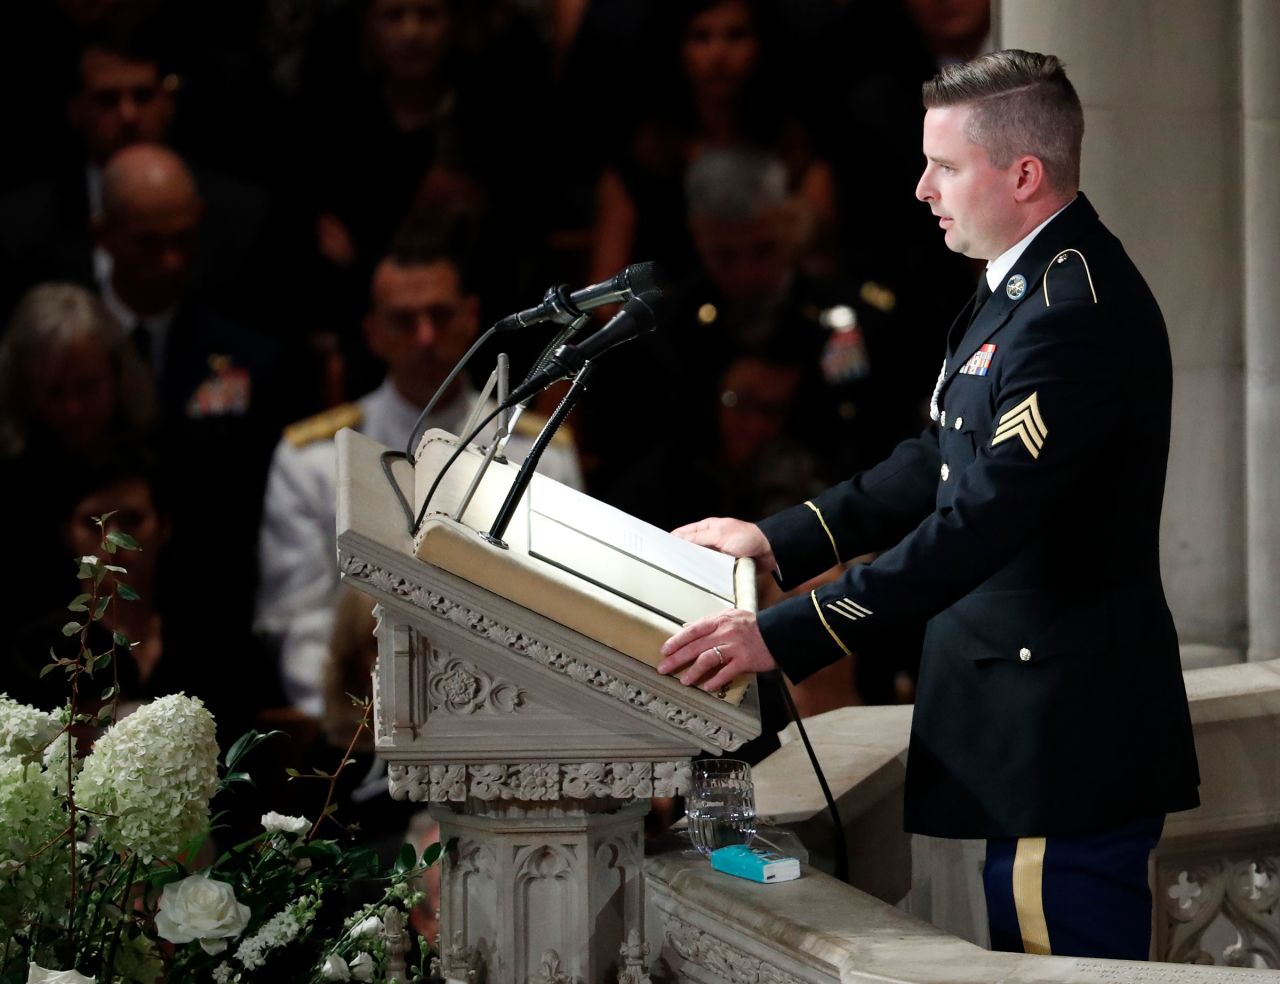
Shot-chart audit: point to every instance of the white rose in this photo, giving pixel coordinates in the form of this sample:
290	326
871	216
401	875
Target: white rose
335	968
38	975
362	967
198	908
273	822
368	927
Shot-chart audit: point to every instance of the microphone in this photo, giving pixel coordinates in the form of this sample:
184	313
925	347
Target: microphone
638	315
560	306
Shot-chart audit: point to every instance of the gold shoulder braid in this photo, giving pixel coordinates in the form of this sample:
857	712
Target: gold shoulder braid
324	425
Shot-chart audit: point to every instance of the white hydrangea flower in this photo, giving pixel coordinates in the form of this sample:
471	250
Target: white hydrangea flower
25	731
273	822
155	772
335	968
362	966
222	974
30	809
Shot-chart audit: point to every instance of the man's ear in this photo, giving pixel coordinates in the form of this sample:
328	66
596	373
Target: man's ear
1029	178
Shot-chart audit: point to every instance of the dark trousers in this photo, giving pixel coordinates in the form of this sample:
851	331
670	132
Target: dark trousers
1079	896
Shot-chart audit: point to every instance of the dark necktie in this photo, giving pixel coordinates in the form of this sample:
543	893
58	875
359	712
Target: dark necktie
980	297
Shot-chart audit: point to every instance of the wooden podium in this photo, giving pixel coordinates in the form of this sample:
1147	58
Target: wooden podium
517	695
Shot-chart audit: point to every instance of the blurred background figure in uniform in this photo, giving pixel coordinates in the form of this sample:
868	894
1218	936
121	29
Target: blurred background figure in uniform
422	317
858	389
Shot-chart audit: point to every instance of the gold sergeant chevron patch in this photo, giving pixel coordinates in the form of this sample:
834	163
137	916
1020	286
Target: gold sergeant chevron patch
1023	422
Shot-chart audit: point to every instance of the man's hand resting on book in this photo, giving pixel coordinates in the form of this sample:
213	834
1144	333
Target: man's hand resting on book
712	651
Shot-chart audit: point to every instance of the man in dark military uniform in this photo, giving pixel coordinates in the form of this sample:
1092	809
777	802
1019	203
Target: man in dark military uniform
1051	715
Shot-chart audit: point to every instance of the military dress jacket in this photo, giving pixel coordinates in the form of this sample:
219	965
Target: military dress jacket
1025	527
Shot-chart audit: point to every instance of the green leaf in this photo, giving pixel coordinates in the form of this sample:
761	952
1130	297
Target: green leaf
122	540
320	773
71	628
101	608
406	859
114	568
126	592
47	669
293	773
120	639
105	720
432	854
102	660
78	604
109	692
110	547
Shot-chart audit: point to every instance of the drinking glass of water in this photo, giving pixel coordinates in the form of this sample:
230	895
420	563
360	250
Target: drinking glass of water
721	804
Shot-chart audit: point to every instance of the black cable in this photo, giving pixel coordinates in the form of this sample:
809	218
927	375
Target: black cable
395	486
841	848
463	444
416	433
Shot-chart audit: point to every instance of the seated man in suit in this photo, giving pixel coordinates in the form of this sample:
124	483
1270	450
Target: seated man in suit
221	392
423	316
123	94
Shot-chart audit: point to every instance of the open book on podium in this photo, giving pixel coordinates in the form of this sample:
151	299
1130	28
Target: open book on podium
576	560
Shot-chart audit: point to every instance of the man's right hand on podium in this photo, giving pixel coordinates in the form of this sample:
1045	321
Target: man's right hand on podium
733	537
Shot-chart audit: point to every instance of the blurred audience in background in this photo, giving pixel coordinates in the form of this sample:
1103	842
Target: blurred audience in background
216	219
423	314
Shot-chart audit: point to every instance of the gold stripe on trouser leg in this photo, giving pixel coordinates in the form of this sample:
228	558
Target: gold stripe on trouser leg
1028	894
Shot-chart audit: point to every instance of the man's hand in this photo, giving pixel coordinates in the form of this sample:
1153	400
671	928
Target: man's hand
712	651
733	537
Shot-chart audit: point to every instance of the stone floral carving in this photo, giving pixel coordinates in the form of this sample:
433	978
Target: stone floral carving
593	676
634	954
713	954
459	687
550	972
537	781
1231	906
460	962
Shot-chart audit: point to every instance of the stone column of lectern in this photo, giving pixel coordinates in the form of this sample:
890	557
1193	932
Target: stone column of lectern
515	692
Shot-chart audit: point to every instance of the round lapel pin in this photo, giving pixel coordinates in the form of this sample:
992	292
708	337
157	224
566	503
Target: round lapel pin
1016	286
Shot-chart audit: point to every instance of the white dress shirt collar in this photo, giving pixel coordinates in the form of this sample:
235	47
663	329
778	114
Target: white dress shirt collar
999	268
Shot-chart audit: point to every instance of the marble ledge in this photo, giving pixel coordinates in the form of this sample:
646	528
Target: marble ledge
823	930
1232	693
861	750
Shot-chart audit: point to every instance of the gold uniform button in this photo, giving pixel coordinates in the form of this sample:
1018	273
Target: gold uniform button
946	471
959	422
1024	654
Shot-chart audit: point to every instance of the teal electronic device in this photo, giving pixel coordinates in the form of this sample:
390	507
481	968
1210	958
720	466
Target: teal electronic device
755	864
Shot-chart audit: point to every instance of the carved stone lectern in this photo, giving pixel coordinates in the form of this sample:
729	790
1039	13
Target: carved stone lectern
515	693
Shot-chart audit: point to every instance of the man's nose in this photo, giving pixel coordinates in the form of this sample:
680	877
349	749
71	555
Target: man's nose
128	110
924	187
424	330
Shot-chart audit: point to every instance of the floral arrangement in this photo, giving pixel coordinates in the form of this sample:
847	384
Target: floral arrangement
108	870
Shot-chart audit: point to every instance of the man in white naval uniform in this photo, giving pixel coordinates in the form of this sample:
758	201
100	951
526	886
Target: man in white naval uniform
422	318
